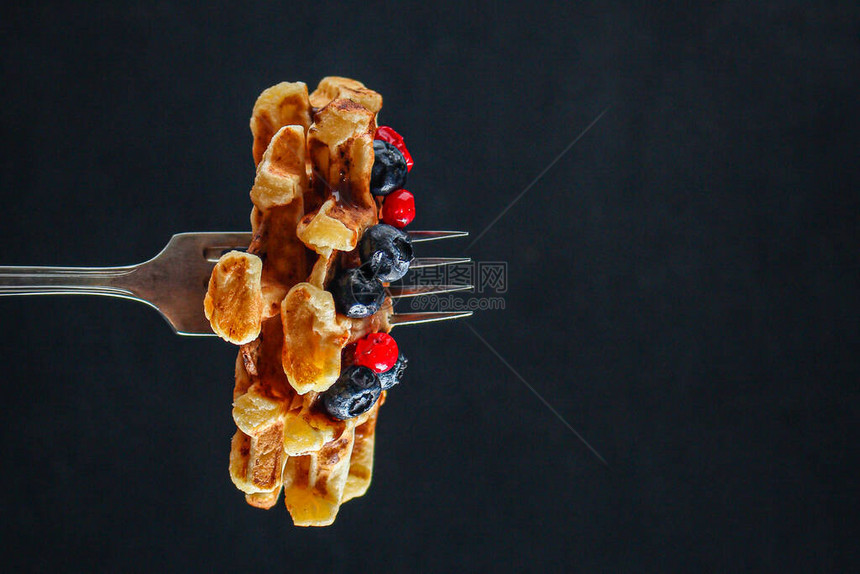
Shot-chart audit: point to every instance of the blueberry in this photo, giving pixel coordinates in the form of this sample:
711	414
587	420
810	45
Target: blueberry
387	251
389	168
356	293
354	392
393	375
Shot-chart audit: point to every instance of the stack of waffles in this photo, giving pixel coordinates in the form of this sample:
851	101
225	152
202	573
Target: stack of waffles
312	202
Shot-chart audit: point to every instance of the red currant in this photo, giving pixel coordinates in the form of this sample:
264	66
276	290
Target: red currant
387	134
398	209
378	351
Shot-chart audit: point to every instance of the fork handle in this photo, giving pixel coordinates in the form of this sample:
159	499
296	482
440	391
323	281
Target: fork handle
65	281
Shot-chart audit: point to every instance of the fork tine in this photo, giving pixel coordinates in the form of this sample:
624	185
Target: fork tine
403	291
421	262
426	317
419	236
217	243
222	242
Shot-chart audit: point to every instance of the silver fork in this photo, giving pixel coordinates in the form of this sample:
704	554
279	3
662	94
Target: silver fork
174	282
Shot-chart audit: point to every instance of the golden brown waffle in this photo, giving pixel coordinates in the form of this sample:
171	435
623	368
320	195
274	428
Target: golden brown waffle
312	201
234	300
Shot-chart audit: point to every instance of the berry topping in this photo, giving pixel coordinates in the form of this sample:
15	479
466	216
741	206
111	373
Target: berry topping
388	134
394	375
356	294
377	351
389	169
387	251
354	392
399	208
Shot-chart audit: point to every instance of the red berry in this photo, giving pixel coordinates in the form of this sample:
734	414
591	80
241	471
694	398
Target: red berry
387	134
398	209
377	351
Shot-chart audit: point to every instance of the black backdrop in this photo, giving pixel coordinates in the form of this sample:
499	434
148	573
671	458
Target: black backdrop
682	285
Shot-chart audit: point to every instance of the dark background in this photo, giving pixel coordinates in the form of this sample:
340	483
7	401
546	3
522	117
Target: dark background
683	285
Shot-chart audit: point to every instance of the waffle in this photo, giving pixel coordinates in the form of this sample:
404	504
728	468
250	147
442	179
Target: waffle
311	203
234	300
